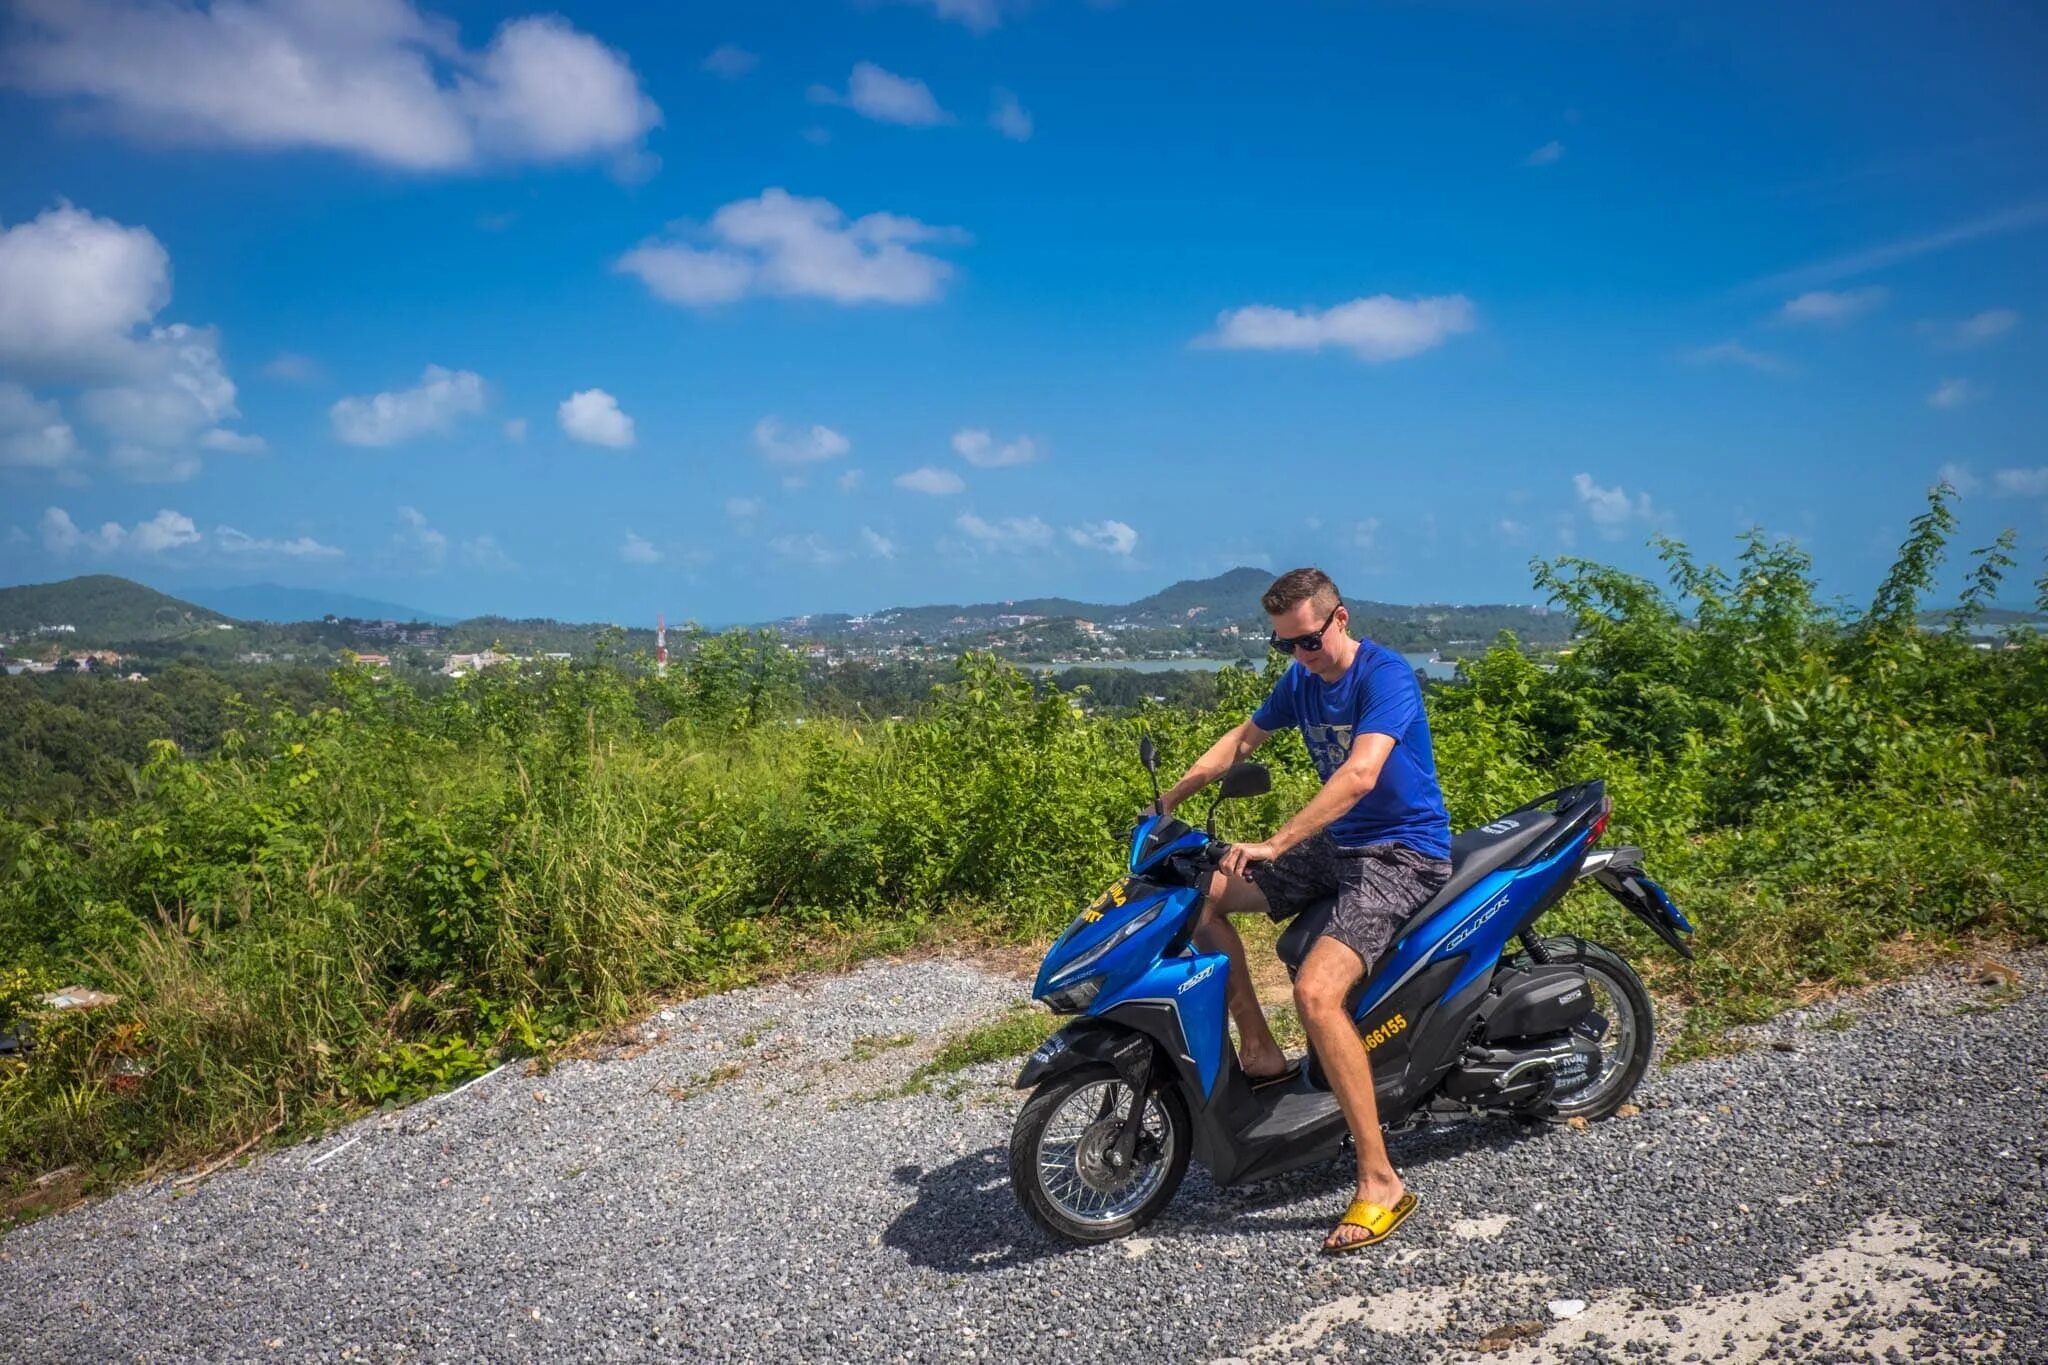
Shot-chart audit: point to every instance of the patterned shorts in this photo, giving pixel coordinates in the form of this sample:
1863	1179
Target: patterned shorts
1377	888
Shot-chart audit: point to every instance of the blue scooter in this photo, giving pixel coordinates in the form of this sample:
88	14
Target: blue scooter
1455	1022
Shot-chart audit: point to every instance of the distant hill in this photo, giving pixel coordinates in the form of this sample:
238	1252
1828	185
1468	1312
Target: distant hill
1203	604
102	607
270	602
1994	619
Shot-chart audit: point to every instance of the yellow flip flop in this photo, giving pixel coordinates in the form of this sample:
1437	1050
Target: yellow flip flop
1378	1221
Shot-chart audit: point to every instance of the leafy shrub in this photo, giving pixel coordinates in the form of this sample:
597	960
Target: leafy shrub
376	892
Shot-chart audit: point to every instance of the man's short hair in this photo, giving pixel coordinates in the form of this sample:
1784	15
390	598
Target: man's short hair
1297	586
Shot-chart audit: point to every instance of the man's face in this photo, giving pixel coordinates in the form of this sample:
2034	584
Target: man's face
1309	618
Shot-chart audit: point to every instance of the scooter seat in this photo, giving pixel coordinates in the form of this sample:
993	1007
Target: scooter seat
1474	853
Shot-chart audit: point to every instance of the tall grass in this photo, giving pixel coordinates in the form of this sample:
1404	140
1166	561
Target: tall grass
373	898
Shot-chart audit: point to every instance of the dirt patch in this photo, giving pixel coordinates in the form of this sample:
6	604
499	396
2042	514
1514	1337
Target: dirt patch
1861	1300
52	1192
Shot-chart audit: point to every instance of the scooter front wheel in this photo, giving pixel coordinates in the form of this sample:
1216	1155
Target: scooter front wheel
1064	1162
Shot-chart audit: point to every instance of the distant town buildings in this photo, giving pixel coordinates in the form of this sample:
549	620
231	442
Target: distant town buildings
462	665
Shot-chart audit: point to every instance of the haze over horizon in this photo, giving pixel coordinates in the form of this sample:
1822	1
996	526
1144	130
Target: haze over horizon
597	312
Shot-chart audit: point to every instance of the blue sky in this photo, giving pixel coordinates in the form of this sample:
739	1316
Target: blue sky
735	310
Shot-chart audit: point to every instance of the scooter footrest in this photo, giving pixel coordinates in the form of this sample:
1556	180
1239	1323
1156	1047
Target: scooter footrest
1296	1111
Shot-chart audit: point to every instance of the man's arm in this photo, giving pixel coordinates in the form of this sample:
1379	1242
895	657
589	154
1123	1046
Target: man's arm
1235	745
1359	774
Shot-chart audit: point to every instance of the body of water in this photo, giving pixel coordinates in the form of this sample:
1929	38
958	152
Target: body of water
1442	671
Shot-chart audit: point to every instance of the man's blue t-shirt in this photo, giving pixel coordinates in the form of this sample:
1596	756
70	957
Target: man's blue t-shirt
1378	694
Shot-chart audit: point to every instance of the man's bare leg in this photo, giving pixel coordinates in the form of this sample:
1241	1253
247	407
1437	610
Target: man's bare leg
1258	1051
1325	980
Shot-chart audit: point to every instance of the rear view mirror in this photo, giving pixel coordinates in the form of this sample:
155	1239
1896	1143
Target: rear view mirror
1148	753
1247	779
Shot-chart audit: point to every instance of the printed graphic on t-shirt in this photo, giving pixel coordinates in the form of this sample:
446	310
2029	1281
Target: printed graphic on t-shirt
1328	746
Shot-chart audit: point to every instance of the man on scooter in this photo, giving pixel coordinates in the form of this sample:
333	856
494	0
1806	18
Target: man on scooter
1376	836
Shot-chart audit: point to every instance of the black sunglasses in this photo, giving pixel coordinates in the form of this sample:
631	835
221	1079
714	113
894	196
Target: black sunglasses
1311	642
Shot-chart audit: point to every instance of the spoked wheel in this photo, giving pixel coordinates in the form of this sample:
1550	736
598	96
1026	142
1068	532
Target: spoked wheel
1063	1160
1620	998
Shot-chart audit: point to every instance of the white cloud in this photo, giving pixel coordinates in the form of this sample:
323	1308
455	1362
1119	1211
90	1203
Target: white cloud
416	542
234	442
639	550
1988	325
1511	530
178	390
1011	534
980	449
515	430
1376	329
294	368
686	275
78	299
1548	154
61	535
592	416
1735	353
33	433
1959	477
2020	219
1828	305
878	545
484	552
885	97
2021	483
848	481
729	61
741	509
808	549
784	245
804	447
235	542
144	465
1953	393
937	482
73	290
979	15
1111	537
1611	508
1008	117
377	79
1366	533
434	405
167	530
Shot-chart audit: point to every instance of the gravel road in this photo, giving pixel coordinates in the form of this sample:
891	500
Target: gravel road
739	1186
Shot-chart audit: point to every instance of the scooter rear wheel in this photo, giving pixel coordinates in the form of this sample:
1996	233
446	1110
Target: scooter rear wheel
1063	1166
1620	997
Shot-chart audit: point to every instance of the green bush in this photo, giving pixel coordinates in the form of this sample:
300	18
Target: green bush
375	892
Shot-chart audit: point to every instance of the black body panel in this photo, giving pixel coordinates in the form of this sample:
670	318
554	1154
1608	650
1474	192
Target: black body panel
1474	854
1535	1001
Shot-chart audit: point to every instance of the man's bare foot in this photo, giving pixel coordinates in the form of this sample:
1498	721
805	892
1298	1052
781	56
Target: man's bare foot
1350	1234
1264	1066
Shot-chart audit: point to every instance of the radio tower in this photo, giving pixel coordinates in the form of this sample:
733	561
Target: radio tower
660	643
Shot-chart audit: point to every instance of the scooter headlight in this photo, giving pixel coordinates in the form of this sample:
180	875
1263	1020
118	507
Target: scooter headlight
1100	950
1075	998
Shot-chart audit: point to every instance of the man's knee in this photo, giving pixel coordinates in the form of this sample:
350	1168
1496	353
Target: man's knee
1317	997
1323	989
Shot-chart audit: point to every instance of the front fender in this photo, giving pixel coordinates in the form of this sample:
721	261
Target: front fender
1078	1044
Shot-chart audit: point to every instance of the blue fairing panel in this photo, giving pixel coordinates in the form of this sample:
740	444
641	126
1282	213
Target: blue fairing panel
1194	987
1081	935
1186	843
1475	926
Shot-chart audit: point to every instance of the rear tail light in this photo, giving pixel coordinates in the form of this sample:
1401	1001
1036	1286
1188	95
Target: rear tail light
1600	825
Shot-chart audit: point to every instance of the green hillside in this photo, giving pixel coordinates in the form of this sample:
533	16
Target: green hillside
104	609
